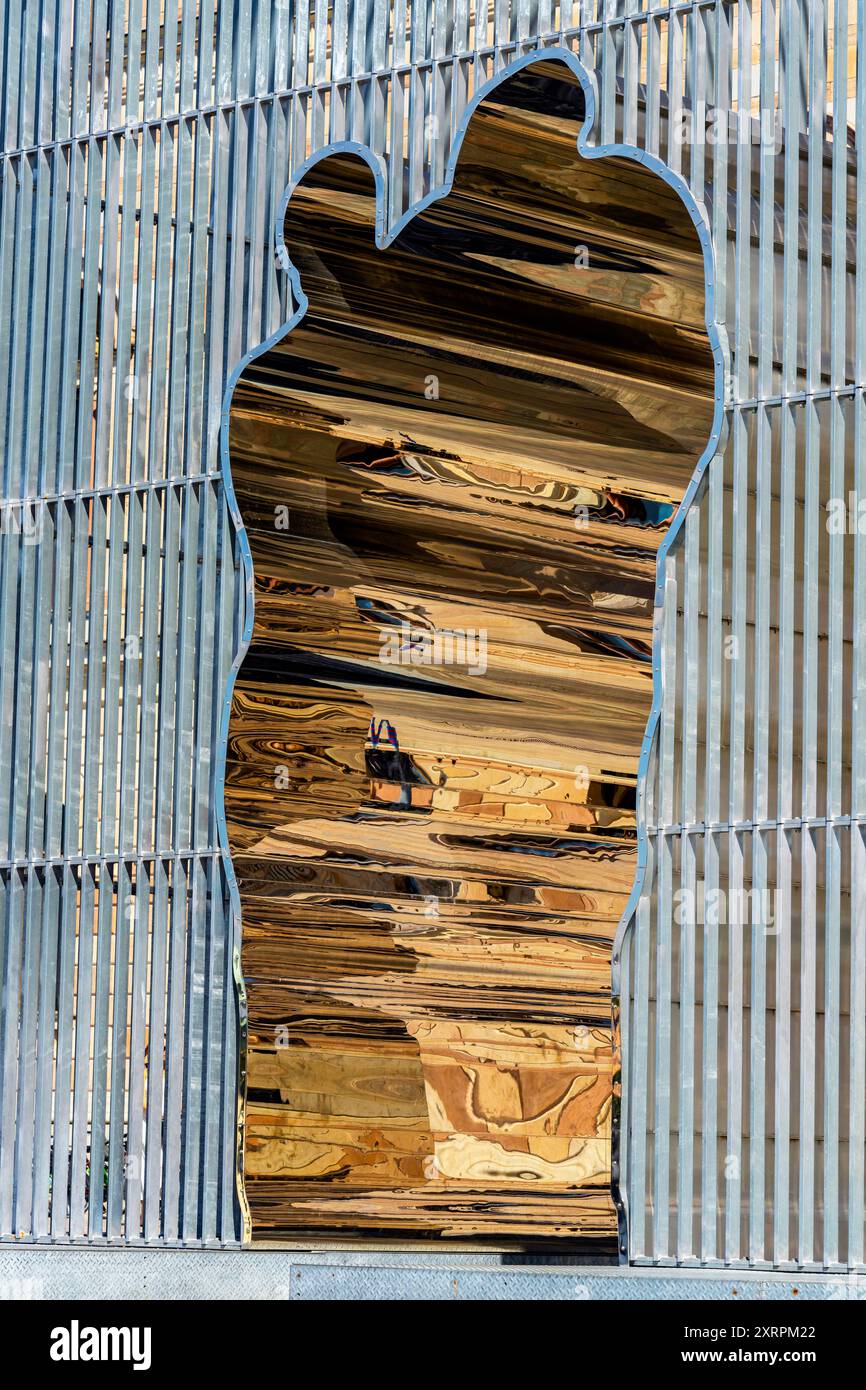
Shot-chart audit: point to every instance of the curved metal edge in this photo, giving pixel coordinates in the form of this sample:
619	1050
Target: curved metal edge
384	238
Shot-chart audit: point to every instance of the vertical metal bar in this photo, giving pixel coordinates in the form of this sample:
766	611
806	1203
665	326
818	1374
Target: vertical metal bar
106	909
196	457
217	968
782	1041
688	913
193	1054
167	275
140	1119
135	30
857	1063
808	1076
38	300
156	1174
832	963
761	437
126	890
181	323
664	929
63	1075
758	1045
174	1053
186	670
71	317
675	93
13	413
80	1140
149	713
131	657
51	929
710	1055
61	234
95	657
721	165
734	1059
106	366
125	382
27	1025
815	194
117	38
10	1004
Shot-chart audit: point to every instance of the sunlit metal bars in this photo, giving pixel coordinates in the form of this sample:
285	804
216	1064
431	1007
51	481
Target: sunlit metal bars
146	147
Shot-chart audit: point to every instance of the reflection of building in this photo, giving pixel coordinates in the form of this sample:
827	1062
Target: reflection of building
137	272
394	777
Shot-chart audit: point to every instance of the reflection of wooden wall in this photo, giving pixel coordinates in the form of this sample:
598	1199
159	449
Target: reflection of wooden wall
427	930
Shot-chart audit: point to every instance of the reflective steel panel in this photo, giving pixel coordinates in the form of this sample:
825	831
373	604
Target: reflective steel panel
455	473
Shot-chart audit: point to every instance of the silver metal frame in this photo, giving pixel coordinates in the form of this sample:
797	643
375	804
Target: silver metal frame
140	197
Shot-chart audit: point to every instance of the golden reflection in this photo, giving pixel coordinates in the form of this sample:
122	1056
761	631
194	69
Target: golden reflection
455	474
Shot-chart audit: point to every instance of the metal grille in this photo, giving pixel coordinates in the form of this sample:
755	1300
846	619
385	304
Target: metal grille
743	973
146	150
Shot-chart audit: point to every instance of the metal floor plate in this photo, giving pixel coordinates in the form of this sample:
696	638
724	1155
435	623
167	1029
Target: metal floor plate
90	1274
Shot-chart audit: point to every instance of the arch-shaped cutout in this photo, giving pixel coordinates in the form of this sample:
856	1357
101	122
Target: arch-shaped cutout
454	473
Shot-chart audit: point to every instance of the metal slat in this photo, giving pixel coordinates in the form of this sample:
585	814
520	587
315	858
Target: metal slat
57	168
80	1138
782	1043
89	300
762	445
192	378
125	385
63	1076
709	1094
688	880
102	1004
36	383
51	929
108	290
154	604
857	1060
17	312
832	966
185	688
116	1160
27	1030
155	1175
808	1077
192	1046
138	1041
757	1079
66	452
664	931
736	666
173	1015
167	274
14	890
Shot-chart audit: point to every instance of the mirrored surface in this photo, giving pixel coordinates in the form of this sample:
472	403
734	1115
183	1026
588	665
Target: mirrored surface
455	474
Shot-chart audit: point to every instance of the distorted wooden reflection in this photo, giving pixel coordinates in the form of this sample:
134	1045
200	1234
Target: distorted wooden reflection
455	474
